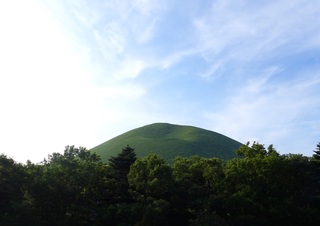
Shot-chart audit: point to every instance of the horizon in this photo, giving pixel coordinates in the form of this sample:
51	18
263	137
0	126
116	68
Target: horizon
81	73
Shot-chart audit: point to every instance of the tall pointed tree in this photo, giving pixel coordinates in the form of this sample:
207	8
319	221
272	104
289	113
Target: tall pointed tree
316	154
120	166
121	163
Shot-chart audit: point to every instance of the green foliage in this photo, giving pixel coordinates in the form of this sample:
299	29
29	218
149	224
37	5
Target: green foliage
169	141
120	166
316	154
150	178
198	181
12	179
265	188
152	185
121	163
77	188
256	150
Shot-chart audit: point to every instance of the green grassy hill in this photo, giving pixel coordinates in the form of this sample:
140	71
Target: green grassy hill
169	141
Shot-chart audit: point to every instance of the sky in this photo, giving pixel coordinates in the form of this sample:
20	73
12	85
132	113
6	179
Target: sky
80	72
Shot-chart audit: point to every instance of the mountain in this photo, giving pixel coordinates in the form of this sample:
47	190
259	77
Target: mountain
169	141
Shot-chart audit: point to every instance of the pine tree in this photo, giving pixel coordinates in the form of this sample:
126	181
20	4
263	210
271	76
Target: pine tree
316	156
121	164
120	169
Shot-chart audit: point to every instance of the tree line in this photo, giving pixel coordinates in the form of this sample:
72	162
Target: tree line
260	187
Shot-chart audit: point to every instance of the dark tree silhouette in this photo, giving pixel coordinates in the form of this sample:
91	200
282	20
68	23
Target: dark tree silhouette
121	163
316	154
120	166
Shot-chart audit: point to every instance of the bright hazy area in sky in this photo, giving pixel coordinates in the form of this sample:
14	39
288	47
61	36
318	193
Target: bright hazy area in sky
81	72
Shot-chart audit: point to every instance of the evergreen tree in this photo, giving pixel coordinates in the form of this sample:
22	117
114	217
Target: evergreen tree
316	154
121	163
120	166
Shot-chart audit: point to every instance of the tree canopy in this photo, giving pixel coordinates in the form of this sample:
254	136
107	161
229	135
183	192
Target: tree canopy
260	187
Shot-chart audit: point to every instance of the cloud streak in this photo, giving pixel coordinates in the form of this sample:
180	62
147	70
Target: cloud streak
236	33
247	69
267	112
249	49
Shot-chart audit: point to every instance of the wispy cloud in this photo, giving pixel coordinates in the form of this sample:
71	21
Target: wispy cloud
241	40
265	111
246	33
176	57
264	27
248	69
118	30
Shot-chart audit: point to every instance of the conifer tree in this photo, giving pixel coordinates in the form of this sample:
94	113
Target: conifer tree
120	166
121	163
316	154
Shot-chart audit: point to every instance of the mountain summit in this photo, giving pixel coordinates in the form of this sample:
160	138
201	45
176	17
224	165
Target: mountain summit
169	141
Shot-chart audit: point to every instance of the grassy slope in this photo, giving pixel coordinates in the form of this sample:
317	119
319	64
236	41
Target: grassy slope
169	141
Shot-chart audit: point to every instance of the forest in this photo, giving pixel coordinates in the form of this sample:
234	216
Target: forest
259	187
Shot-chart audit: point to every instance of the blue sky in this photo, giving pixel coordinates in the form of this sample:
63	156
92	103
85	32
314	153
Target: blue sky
82	72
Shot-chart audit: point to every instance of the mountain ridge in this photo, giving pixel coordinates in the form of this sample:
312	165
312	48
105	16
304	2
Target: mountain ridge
170	140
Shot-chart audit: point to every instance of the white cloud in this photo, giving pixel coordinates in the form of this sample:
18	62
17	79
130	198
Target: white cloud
244	33
71	72
46	92
258	83
111	40
130	69
146	7
147	32
267	112
213	72
176	57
